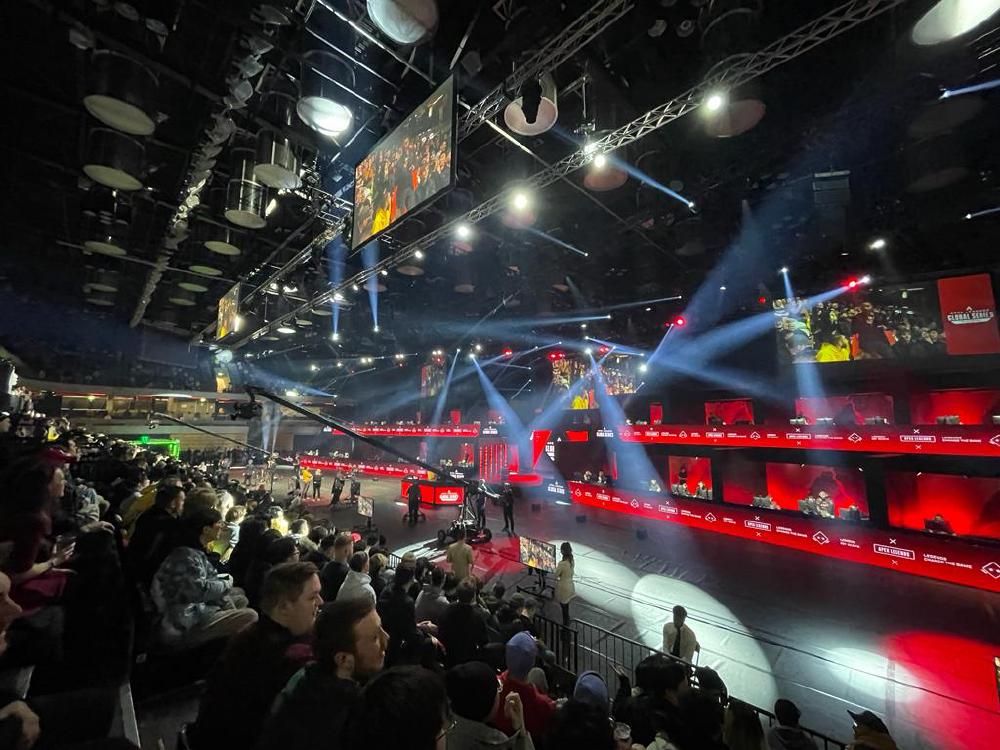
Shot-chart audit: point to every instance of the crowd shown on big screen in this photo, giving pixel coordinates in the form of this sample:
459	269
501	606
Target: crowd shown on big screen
117	563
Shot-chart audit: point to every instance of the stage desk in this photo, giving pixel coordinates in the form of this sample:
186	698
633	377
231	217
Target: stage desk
434	491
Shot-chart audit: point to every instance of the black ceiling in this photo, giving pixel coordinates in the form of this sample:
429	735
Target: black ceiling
865	102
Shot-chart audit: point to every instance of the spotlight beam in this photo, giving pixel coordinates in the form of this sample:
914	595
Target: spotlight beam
554	240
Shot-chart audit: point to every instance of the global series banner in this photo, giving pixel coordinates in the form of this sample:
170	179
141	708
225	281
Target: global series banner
917	554
968	314
947	440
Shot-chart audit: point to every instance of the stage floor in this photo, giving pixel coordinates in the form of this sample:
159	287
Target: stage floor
773	622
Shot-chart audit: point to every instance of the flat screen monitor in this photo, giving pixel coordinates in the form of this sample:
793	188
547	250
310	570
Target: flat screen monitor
229	309
411	166
538	554
366	506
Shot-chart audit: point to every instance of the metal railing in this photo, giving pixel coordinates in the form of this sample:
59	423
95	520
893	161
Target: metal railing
585	647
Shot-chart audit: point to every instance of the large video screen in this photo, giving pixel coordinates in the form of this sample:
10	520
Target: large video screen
537	554
954	315
409	167
229	313
619	375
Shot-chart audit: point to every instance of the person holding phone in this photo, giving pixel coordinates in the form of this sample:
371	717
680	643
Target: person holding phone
474	693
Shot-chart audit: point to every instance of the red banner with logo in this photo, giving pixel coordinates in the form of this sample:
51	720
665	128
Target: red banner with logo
968	313
943	558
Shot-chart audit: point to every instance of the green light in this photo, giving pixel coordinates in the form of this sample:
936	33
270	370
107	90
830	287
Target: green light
144	439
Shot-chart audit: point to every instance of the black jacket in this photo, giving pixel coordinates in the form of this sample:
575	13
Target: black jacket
396	608
330	577
152	541
244	683
463	632
310	713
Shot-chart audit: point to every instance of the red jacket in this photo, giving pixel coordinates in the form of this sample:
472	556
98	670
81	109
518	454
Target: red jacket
538	707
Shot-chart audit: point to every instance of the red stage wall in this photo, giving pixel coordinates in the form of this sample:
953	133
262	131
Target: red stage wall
971	406
730	412
864	405
699	470
789	483
943	558
742	479
970	504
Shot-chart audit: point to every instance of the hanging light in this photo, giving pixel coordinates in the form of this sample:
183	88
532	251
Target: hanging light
218	239
536	109
101	299
245	196
121	93
404	21
277	162
182	298
192	286
950	19
320	105
103	280
114	160
107	240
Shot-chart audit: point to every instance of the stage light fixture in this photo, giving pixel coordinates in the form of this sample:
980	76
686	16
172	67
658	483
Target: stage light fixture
314	367
762	300
285	329
643	367
338	297
784	269
463	231
865	279
472	355
520	200
340	364
878	243
950	19
385	272
583	326
508	352
679	321
600	161
588	350
852	283
375	329
479	347
418	254
334	336
722	288
716	100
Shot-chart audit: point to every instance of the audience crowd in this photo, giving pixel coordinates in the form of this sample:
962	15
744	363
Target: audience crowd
306	636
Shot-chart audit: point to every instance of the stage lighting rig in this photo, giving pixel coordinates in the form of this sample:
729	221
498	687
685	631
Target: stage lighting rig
247	410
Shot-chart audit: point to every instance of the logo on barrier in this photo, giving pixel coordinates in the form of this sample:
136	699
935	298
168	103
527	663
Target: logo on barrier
820	538
449	496
854	437
634	503
710	517
995	440
755	435
898	552
604	433
992	569
683	434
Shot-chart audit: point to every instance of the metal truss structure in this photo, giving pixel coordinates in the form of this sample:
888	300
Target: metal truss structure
735	72
573	38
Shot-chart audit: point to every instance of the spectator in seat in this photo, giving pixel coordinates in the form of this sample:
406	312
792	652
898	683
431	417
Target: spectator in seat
474	694
431	602
702	726
741	728
339	550
463	629
403	707
194	603
580	725
678	639
251	530
275	551
521	653
653	708
788	735
316	555
870	732
408	643
311	711
357	583
154	534
259	661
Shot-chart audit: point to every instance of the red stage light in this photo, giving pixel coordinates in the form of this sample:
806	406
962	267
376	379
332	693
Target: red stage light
603	350
679	321
762	300
852	283
508	352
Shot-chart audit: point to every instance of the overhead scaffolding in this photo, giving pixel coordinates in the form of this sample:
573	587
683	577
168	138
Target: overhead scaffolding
737	71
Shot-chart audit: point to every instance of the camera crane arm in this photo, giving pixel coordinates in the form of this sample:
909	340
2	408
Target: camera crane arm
160	415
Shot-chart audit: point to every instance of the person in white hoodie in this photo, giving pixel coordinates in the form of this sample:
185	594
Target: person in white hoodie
358	583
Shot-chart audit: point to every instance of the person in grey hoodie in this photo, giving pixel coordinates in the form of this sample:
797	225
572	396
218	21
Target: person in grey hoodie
358	583
431	602
474	695
788	735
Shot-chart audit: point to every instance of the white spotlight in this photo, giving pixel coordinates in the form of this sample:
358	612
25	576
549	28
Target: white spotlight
600	161
878	243
643	367
588	350
463	231
583	326
375	329
952	18
472	355
784	269
273	204
479	347
589	147
314	368
285	329
865	279
520	200
418	254
722	288
355	287
385	272
334	336
338	297
715	101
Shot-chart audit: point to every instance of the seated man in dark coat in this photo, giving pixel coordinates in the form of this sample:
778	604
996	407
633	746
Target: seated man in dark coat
259	661
463	629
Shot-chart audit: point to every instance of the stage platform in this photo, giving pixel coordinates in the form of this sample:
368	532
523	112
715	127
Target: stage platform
828	634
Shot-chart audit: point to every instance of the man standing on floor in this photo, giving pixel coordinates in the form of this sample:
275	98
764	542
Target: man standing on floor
317	483
678	639
460	556
507	503
413	503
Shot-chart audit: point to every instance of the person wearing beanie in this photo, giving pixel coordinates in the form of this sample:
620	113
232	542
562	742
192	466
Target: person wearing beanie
591	688
475	697
788	735
870	732
521	653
